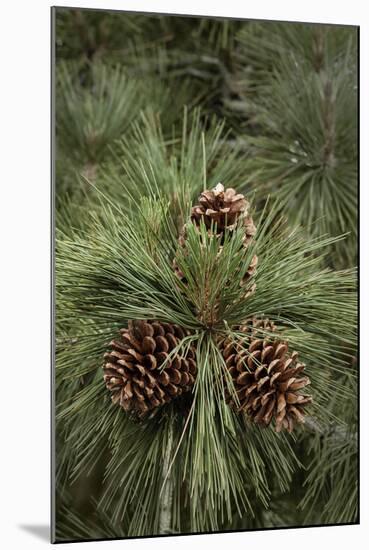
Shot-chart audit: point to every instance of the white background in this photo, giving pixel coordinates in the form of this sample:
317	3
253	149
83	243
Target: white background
25	270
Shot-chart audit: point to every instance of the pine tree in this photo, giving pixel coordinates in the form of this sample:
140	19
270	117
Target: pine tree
199	389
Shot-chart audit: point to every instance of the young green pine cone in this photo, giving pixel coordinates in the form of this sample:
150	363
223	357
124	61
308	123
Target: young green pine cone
132	368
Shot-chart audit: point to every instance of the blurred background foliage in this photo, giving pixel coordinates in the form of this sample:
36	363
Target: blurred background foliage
269	108
286	93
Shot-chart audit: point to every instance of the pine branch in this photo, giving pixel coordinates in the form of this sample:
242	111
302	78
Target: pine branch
291	103
297	85
106	281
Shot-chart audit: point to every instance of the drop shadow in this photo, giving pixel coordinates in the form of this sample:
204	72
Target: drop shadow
40	531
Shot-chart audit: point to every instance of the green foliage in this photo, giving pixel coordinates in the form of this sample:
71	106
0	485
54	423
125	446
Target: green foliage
149	160
89	116
134	150
72	525
296	87
219	466
96	104
93	34
148	157
93	109
332	478
332	471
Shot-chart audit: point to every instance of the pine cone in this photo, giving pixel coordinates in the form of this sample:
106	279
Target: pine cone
266	378
132	367
225	208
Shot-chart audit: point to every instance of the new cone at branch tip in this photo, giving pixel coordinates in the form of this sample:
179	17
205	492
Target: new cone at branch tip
223	209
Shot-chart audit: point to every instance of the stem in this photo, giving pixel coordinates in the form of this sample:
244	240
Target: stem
165	518
318	49
329	124
203	159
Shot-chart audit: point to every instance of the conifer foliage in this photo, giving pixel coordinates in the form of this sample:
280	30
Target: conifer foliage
205	283
296	109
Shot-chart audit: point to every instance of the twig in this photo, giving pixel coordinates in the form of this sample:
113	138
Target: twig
167	495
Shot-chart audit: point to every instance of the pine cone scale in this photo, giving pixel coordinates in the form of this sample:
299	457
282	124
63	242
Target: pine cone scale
132	368
268	382
148	345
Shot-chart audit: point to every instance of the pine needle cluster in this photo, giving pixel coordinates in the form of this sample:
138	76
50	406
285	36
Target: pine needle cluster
293	98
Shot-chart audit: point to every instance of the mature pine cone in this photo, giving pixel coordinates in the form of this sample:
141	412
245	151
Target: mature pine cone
225	208
132	368
266	377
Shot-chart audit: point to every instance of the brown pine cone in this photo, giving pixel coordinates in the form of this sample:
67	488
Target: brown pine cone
225	208
132	368
266	378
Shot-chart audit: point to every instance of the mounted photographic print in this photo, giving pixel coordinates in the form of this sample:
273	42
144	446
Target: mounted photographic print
206	216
